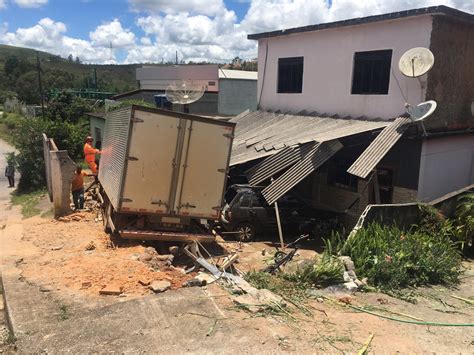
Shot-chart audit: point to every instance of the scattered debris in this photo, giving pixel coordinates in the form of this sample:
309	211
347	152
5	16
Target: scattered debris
345	299
365	347
144	282
463	299
195	283
90	246
59	247
86	284
111	289
160	286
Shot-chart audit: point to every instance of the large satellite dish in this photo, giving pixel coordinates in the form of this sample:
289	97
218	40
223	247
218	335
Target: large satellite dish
184	93
416	62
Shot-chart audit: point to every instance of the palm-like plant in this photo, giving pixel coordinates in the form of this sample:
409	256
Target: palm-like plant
465	218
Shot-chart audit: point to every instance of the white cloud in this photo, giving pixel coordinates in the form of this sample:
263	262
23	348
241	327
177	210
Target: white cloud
199	30
31	3
49	36
112	32
3	4
206	7
195	37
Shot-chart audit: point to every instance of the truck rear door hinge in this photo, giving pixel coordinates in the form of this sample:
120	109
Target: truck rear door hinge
187	205
123	199
159	203
132	158
223	170
136	120
228	135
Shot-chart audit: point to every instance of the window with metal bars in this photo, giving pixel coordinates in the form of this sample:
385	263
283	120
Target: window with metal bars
290	75
371	72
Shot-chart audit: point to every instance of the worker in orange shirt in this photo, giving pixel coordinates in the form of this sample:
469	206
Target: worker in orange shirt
89	154
77	188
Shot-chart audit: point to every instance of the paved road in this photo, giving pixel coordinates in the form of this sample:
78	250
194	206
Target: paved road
4	212
4	189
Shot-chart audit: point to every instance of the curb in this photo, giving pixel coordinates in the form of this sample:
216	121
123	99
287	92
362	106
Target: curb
10	323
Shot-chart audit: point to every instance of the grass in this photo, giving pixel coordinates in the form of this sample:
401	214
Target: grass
6	133
63	312
28	202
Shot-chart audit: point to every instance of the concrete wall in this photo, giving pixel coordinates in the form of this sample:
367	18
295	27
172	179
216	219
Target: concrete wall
328	66
447	164
236	96
59	174
451	80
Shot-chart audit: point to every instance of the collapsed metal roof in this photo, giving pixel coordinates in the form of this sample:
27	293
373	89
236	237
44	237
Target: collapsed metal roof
379	147
260	134
301	143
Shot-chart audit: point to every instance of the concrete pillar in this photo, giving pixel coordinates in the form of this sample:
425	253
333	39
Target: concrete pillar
62	172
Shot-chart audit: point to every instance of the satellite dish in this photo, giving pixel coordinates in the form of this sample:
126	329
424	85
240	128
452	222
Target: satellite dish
416	62
419	112
422	110
184	93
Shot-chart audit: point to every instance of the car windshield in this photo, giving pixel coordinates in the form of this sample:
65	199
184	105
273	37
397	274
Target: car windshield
230	194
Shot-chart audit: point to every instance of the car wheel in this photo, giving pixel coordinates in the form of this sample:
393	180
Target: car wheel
245	232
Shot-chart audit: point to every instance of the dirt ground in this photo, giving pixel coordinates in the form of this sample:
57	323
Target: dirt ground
75	260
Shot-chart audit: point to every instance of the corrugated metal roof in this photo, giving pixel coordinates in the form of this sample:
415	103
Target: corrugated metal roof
261	133
317	156
276	163
237	74
369	159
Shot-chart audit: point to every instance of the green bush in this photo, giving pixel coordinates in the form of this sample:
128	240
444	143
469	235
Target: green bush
12	120
29	142
391	258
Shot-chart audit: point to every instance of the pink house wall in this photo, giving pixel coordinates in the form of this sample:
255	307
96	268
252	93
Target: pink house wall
328	64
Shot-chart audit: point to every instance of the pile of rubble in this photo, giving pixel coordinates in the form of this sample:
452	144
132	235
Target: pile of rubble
351	282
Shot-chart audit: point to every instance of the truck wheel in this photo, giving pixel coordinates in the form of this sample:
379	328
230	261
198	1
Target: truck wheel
245	232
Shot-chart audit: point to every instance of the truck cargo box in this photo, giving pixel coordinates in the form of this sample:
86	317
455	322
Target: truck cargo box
165	163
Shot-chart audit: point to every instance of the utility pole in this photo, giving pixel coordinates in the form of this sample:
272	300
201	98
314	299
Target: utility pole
176	57
40	84
95	79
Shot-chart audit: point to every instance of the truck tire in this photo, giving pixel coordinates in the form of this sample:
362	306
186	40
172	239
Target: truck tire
246	232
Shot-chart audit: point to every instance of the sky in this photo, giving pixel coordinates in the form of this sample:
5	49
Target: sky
151	31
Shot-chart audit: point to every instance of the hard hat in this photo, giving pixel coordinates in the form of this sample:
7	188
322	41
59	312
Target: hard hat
89	139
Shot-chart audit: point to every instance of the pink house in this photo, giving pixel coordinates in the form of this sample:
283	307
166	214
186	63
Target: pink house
331	121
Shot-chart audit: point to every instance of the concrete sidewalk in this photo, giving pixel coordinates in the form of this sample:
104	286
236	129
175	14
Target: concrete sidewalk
185	320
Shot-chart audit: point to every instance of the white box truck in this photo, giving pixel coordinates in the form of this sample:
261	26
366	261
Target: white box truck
163	174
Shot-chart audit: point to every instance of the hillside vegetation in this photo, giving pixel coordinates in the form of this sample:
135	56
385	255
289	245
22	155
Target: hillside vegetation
18	74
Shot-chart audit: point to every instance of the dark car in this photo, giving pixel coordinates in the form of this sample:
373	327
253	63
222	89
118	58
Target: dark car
247	214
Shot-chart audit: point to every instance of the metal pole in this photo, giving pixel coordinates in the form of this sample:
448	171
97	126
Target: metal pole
40	84
277	213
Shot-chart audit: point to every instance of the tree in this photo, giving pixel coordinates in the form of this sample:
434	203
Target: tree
70	58
66	107
26	87
78	61
11	64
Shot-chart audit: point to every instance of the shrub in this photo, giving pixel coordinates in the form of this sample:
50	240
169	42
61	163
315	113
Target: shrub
12	120
391	258
29	142
465	220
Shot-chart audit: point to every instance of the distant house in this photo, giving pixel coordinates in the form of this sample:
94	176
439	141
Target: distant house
228	92
331	121
97	127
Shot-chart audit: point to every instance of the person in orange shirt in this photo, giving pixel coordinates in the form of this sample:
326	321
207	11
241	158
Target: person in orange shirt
77	188
89	154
